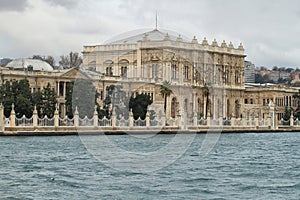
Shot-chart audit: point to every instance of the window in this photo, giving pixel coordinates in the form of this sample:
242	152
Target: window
124	71
251	101
154	71
246	101
109	71
237	77
174	71
186	72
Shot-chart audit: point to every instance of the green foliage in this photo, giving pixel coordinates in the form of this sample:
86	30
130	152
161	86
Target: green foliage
139	105
165	91
68	98
49	101
22	98
37	99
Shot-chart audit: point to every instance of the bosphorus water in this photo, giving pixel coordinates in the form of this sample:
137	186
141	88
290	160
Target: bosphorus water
240	166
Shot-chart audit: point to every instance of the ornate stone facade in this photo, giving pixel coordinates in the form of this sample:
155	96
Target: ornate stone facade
142	62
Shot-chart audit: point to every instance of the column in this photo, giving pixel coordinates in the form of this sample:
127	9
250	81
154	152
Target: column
76	117
58	88
65	89
56	117
35	117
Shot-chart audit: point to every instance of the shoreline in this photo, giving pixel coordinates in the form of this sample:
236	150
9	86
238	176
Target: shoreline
138	132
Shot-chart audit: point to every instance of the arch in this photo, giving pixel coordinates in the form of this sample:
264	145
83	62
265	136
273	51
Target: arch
123	67
200	106
173	107
108	65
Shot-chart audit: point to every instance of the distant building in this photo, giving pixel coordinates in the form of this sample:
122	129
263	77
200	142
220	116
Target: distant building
249	72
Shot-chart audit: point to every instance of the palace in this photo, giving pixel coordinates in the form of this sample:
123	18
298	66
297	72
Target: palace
206	78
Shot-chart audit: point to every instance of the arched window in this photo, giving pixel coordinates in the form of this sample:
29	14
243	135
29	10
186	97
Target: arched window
174	71
155	70
186	73
124	67
108	65
173	107
237	77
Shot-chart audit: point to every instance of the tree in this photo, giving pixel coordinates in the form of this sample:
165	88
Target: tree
72	60
49	59
37	100
23	98
49	101
165	91
7	98
139	105
68	98
259	78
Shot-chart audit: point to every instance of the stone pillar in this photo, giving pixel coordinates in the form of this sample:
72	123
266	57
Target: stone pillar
35	117
56	117
131	118
65	89
221	121
58	88
163	119
95	117
195	119
147	119
256	122
113	119
292	119
1	118
208	119
179	119
76	117
233	121
12	116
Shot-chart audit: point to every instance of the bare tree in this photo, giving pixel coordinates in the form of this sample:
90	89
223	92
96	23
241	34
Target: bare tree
72	60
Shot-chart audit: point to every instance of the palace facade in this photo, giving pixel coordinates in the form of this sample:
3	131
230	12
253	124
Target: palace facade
206	78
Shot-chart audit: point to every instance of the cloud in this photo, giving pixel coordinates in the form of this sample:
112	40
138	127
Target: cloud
268	29
63	3
13	5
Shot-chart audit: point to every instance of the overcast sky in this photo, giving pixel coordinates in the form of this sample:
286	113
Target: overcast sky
269	30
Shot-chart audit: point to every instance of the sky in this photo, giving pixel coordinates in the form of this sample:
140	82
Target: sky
269	30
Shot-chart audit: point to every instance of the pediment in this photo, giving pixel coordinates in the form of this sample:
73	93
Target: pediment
75	73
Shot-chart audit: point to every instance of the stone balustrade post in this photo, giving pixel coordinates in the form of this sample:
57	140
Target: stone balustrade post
113	119
233	121
35	117
56	117
221	123
269	122
12	116
147	119
208	119
195	119
76	117
292	119
256	122
2	118
179	121
95	117
163	120
131	119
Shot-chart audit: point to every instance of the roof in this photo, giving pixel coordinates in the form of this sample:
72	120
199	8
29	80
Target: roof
24	63
153	35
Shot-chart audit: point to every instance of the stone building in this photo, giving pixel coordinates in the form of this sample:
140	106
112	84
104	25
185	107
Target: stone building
142	62
206	79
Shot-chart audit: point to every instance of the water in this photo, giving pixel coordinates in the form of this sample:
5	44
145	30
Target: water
241	166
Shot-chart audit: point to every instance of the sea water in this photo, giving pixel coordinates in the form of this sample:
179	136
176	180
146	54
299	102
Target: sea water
239	166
